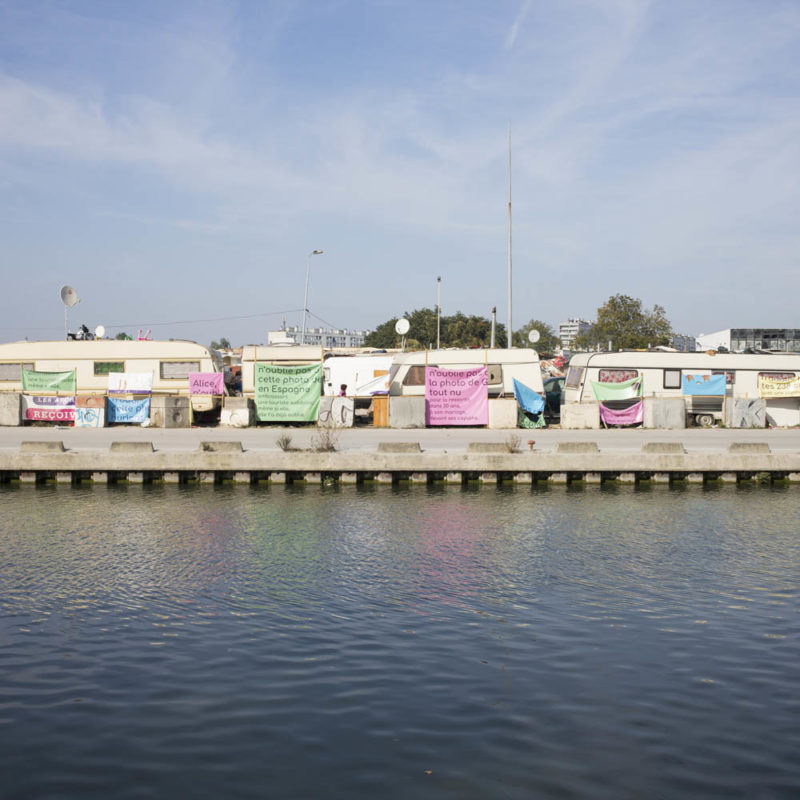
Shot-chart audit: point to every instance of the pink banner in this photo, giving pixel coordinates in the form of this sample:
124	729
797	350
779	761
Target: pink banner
206	383
633	415
456	396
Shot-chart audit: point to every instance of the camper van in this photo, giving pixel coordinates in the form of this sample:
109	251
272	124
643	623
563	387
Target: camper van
169	362
407	375
286	355
662	374
364	374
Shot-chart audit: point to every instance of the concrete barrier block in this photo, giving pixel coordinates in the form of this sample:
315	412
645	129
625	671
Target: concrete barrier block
131	447
503	413
748	447
237	412
168	411
745	413
399	447
664	413
336	412
406	412
221	447
487	447
42	447
577	447
664	448
580	416
10	409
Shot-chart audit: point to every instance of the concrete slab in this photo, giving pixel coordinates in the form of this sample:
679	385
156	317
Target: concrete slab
221	447
748	447
10	409
131	447
502	413
577	447
170	411
580	416
42	447
237	412
487	447
664	413
336	412
399	447
664	448
406	412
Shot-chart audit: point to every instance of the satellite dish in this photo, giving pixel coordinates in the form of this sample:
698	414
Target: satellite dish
68	296
99	332
402	326
534	336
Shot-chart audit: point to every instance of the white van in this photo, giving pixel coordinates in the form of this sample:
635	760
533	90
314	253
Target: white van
169	362
662	374
407	375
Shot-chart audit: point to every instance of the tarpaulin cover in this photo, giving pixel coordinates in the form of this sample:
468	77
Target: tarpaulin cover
33	381
528	400
626	390
526	420
456	396
133	411
287	394
703	384
633	415
130	382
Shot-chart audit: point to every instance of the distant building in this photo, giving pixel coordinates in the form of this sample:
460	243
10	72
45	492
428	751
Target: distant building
569	331
335	337
687	344
783	340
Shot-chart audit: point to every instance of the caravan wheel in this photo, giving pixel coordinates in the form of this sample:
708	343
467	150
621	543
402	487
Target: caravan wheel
704	420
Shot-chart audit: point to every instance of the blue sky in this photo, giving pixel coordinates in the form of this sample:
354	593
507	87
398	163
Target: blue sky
176	162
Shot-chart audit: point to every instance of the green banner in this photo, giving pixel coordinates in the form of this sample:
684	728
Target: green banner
287	394
626	390
37	382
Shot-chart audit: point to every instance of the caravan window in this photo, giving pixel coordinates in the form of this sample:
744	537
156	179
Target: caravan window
574	376
617	375
495	374
178	370
104	367
672	379
13	372
416	375
730	377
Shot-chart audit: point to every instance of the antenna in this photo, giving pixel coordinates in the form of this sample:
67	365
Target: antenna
99	332
401	327
69	299
534	336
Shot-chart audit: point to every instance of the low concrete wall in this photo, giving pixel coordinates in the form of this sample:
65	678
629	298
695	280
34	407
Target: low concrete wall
503	413
336	412
406	412
664	413
237	412
10	409
745	413
170	412
580	416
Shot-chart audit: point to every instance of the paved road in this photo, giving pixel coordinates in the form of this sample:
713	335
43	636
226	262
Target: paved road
431	439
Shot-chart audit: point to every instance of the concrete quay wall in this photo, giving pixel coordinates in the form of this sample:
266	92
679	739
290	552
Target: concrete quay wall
220	461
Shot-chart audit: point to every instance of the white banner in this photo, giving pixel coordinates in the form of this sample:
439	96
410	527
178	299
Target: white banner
130	382
48	409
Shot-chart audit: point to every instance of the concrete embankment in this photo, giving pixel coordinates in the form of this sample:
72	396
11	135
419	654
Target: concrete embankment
392	462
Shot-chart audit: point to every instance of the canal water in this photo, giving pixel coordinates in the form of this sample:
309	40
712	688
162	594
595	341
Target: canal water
396	643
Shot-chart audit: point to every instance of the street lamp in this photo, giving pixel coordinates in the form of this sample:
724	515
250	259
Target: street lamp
438	307
305	297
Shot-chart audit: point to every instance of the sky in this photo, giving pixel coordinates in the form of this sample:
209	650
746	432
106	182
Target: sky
177	162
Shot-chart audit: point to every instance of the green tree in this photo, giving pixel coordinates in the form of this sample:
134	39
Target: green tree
627	325
222	344
548	341
122	336
458	330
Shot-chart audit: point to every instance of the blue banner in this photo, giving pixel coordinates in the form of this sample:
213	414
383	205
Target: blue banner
135	411
703	384
528	400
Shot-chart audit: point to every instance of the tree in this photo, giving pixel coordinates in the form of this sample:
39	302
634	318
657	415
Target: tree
222	344
548	341
622	321
458	330
122	336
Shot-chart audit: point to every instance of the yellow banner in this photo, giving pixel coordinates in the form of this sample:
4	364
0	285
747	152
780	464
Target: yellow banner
774	387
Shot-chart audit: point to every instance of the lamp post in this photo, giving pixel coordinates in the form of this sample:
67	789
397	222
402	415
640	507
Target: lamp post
305	297
438	308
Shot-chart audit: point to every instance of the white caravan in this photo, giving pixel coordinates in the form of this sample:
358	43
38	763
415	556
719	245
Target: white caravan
407	375
363	374
169	362
662	374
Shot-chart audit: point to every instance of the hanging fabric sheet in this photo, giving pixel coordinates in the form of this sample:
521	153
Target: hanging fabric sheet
633	415
626	390
529	401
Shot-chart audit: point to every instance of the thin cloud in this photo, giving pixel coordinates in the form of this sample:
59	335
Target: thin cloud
517	24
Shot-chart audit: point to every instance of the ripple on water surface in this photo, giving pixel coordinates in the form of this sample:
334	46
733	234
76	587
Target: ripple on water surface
396	643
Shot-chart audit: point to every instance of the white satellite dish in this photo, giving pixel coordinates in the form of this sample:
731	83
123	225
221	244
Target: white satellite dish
534	336
69	299
99	332
402	326
68	296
